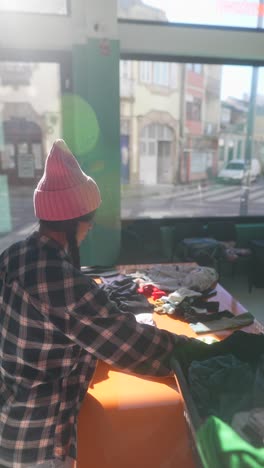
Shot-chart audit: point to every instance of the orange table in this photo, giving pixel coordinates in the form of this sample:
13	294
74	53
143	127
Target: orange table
127	421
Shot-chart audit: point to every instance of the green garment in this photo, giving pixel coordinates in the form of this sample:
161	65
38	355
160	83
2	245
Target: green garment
221	447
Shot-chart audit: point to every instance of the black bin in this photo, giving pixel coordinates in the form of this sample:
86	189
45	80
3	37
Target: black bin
256	265
192	417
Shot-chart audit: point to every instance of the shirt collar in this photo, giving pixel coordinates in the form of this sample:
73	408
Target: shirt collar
47	241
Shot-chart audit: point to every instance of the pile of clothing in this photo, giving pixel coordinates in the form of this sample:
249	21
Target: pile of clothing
179	290
226	383
203	317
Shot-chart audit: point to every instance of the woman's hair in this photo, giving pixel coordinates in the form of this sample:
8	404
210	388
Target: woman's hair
69	227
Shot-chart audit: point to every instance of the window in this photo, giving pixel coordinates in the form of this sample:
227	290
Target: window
145	72
225	115
30	121
193	109
125	69
181	141
237	166
158	74
53	7
161	74
195	67
198	68
174	75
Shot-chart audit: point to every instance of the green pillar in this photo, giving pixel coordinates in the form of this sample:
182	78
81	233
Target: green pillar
91	129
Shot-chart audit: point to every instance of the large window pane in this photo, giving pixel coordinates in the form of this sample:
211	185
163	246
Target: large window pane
30	120
56	7
234	13
193	146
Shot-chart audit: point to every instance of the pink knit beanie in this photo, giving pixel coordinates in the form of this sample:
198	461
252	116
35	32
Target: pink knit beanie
64	191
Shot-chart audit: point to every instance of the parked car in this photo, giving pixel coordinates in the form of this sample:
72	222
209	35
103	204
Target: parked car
235	171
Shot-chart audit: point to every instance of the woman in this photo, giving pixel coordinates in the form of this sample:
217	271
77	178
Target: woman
56	323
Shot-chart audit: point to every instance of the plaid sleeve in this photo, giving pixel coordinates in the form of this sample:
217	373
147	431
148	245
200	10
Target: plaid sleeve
96	324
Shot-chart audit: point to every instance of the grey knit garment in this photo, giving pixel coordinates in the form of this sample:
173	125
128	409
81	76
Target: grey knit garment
171	277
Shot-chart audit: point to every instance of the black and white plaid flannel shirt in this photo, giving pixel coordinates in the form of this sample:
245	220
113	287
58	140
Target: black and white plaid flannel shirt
55	324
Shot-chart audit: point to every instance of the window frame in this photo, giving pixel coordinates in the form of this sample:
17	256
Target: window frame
176	24
190	43
157	41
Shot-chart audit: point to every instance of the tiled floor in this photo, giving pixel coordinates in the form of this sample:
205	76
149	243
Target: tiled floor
238	287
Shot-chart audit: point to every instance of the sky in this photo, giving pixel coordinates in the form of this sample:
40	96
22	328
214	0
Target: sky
215	12
236	80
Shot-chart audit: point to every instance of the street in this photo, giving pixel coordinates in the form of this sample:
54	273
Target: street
166	201
192	201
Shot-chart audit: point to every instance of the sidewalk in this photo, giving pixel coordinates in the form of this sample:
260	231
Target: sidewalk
141	190
23	191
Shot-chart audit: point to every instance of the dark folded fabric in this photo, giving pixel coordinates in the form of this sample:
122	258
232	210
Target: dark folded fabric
124	293
221	386
186	311
193	317
248	347
96	271
212	306
123	286
109	279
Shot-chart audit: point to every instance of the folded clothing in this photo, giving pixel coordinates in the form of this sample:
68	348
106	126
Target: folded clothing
171	277
147	319
237	321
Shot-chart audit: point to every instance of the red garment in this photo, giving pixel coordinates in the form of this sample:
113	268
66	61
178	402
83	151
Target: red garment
157	293
151	291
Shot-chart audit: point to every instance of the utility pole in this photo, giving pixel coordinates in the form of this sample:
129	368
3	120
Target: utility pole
181	156
244	199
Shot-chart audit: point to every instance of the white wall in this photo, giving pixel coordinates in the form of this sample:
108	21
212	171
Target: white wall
48	32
